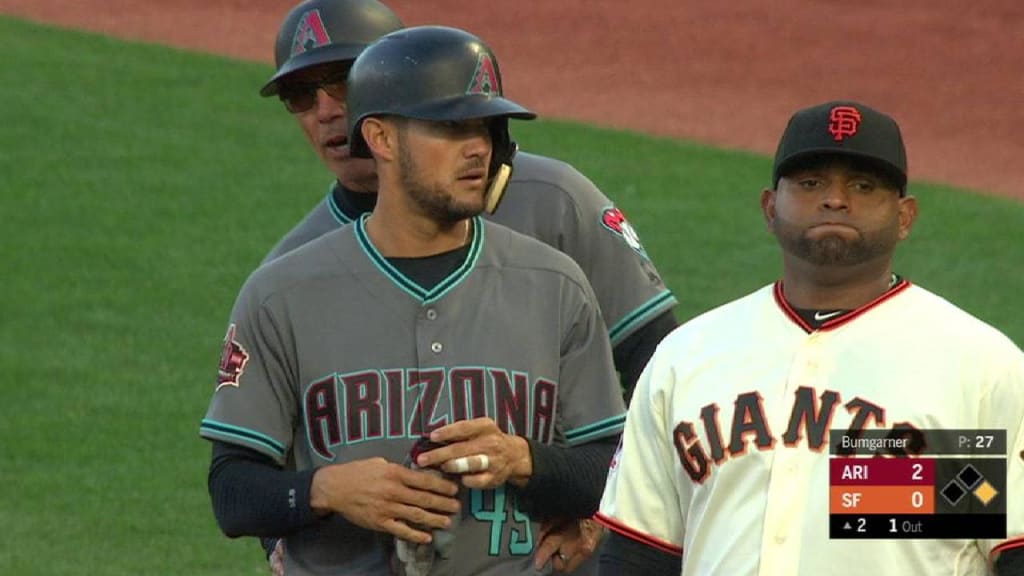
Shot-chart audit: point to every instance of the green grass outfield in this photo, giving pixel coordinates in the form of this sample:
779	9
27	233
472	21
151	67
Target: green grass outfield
140	185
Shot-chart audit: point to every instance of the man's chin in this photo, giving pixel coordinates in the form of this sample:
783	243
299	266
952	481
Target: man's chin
463	211
835	253
462	214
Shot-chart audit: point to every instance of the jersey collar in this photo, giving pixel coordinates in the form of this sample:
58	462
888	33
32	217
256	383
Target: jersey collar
332	204
841	319
345	206
405	283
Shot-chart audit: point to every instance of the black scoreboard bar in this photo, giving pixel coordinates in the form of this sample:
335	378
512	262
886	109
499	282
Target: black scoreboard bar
921	526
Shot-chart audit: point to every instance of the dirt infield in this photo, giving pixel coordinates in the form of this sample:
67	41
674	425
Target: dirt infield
728	73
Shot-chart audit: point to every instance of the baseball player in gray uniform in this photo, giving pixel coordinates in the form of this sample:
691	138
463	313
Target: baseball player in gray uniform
546	199
420	320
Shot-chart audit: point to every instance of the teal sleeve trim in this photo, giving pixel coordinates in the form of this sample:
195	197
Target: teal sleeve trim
648	310
213	429
600	429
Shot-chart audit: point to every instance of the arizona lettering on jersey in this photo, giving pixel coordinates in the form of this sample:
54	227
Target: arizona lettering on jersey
725	446
345	358
409	403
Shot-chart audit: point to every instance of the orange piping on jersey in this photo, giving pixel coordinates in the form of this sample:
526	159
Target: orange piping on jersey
614	525
838	320
1015	542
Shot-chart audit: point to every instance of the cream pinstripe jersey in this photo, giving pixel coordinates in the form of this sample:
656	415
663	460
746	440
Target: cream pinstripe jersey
724	458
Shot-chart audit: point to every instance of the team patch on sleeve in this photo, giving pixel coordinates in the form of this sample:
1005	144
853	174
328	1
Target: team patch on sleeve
232	360
613	219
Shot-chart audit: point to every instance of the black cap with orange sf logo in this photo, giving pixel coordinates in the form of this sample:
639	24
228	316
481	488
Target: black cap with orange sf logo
843	128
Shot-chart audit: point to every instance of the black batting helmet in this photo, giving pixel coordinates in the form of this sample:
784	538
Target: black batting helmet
320	31
434	73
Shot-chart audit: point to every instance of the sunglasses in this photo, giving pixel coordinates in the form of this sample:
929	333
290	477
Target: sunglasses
299	97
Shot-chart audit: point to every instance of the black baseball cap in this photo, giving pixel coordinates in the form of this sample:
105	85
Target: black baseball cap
843	128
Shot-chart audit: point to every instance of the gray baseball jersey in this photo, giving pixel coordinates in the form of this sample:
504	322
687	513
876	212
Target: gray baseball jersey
332	355
553	202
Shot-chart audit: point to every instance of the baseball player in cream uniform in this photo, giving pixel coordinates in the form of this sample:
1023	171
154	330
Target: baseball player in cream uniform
724	465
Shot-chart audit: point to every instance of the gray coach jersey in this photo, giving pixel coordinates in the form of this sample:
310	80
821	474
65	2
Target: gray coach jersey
551	201
332	356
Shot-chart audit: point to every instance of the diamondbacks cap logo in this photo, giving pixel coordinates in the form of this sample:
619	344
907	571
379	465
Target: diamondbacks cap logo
232	361
843	121
309	32
613	219
485	77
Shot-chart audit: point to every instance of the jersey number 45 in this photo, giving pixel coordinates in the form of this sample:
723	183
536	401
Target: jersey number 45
495	506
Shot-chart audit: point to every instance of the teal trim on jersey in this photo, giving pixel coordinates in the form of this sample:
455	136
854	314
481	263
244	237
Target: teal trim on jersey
228	431
641	315
599	429
339	216
407	284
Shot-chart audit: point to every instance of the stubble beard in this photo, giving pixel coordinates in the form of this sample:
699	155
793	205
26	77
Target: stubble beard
832	249
433	200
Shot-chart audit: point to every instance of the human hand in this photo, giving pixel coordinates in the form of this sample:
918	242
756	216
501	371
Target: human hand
567	544
386	497
477	449
277	559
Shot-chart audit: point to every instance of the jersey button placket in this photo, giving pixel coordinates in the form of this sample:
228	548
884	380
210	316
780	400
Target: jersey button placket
787	485
429	335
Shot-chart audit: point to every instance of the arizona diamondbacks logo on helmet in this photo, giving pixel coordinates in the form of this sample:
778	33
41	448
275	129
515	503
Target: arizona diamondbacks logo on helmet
310	33
485	77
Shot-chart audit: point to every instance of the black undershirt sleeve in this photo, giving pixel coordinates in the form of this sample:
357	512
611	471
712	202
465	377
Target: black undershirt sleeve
568	482
253	496
1010	563
621	556
632	354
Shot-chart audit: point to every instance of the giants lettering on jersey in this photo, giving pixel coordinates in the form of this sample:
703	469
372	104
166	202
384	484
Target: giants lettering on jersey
401	403
809	419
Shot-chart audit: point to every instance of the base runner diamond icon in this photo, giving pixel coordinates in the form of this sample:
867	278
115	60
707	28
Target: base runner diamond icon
985	493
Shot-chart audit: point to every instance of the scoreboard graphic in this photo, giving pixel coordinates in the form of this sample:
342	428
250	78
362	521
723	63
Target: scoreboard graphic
917	484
